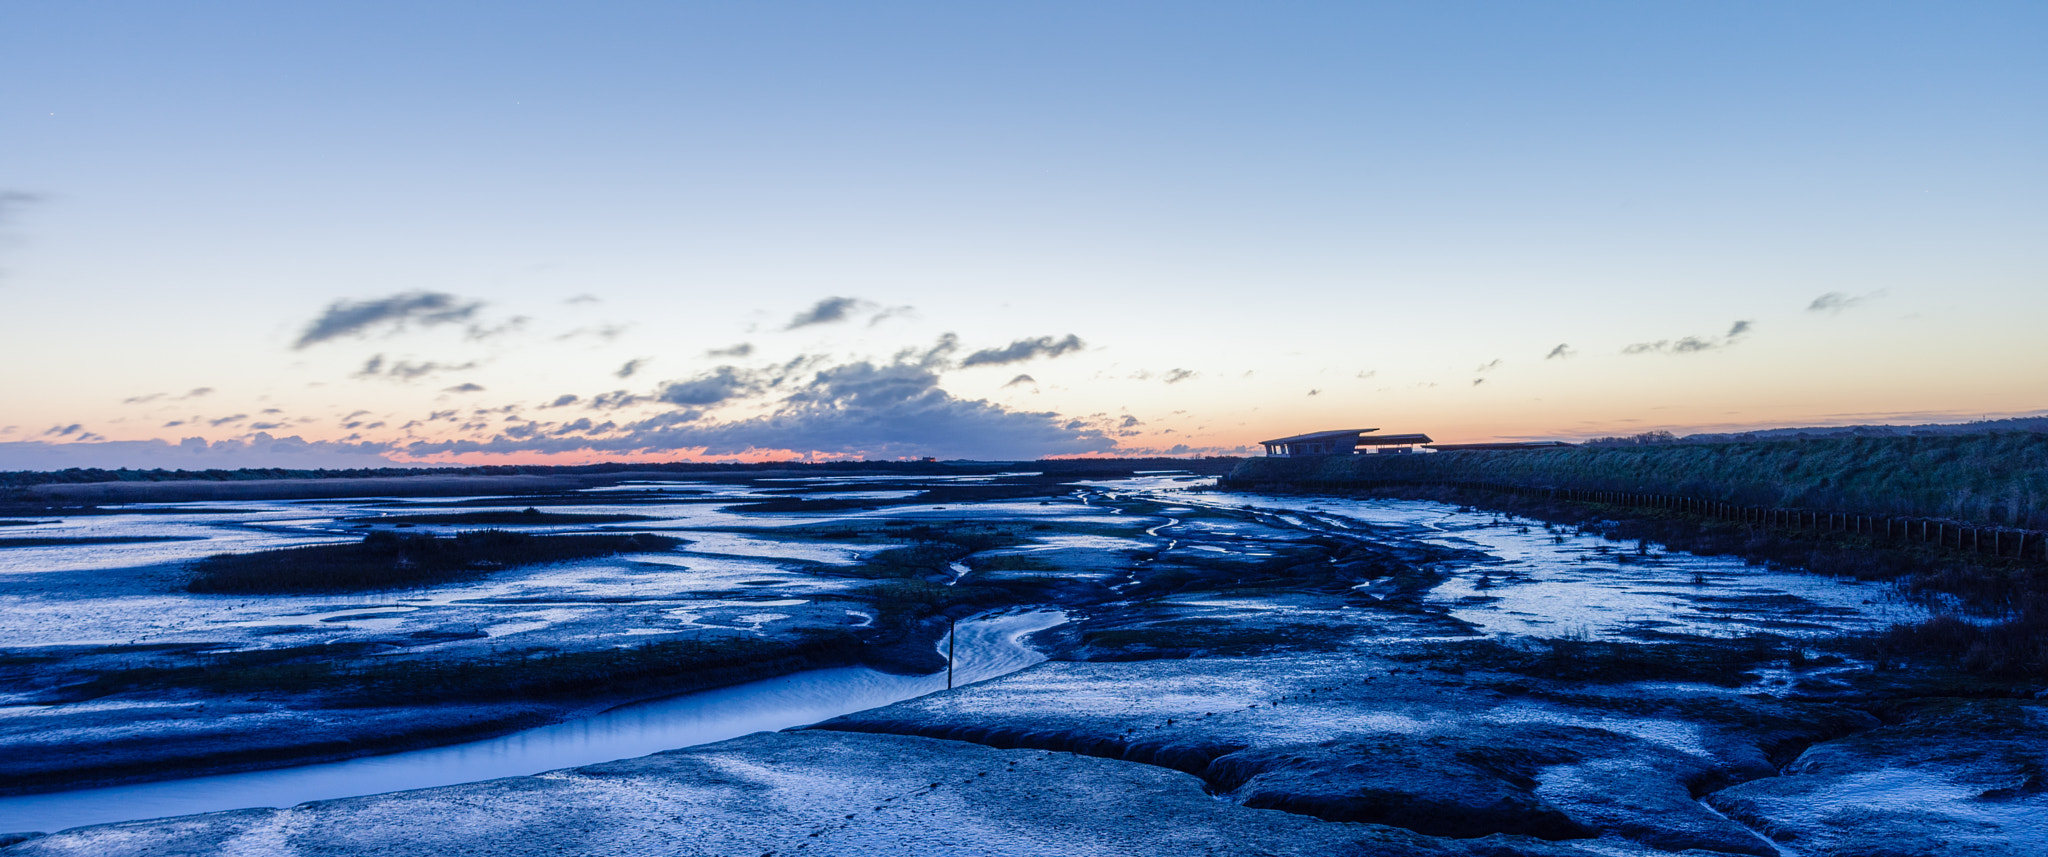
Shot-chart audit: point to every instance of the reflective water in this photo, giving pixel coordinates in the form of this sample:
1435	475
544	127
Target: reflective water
987	647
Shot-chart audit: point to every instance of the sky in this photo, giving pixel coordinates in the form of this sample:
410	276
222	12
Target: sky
369	233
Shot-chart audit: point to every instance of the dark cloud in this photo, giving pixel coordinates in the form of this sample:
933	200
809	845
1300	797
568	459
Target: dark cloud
631	367
464	388
1692	344
353	318
718	385
1488	367
1020	379
563	400
615	399
1128	422
1478	381
64	431
826	311
225	420
743	349
1561	351
1315	392
1024	349
1178	375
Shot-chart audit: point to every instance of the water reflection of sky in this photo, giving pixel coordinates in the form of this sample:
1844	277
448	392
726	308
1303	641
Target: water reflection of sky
1564	583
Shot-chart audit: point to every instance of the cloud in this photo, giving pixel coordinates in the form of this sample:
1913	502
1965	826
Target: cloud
826	311
259	450
892	312
1488	367
406	370
1835	302
1178	375
718	385
1317	392
607	332
885	410
14	200
563	400
584	299
1478	381
142	400
225	420
1361	376
1024	349
615	399
743	349
64	431
1693	344
1128	422
631	367
1561	352
464	388
354	318
1020	379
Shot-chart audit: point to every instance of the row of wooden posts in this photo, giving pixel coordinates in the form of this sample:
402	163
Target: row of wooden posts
1954	535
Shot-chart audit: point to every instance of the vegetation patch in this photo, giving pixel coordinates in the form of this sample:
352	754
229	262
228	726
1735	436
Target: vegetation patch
1730	663
529	516
385	559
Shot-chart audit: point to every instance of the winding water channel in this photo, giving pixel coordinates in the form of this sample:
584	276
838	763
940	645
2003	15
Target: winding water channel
987	647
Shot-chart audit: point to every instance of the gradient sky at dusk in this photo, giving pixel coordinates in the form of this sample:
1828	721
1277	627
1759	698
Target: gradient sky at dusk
344	234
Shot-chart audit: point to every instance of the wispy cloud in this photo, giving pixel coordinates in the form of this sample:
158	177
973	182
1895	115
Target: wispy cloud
826	311
1692	344
744	349
1561	352
630	367
1176	376
1020	379
1024	349
1835	302
394	313
406	370
464	388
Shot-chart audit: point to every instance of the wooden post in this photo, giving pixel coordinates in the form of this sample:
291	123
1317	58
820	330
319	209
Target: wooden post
952	637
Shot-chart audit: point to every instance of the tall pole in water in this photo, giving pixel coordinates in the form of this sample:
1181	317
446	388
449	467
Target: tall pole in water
951	627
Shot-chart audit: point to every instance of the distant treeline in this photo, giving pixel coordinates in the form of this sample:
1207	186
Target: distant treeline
77	475
1997	479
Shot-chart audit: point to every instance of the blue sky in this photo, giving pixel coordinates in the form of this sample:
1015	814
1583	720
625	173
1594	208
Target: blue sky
1255	219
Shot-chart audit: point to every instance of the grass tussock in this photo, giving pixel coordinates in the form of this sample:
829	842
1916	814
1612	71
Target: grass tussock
385	559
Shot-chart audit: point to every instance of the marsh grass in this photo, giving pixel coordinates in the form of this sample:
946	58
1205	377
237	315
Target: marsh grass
384	559
1992	479
355	674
